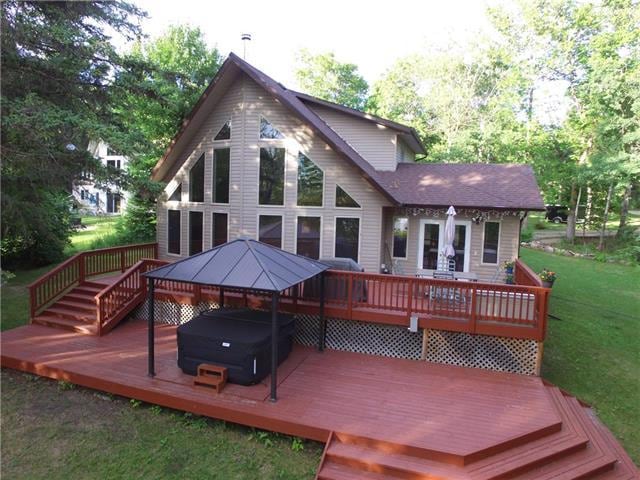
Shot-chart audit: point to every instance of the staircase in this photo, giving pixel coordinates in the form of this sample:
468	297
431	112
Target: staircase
582	449
75	311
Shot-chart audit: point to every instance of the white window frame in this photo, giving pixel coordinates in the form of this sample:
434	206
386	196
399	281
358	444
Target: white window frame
222	142
482	262
324	181
189	212
335	233
393	221
295	233
284	189
441	223
213	161
271	214
212	212
335	199
172	254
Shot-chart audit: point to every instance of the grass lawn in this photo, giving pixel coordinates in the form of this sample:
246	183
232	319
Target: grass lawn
96	227
52	431
593	346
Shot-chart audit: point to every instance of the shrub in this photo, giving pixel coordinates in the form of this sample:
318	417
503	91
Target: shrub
540	225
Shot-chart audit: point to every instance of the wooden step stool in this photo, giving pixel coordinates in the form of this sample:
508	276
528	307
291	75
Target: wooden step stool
211	376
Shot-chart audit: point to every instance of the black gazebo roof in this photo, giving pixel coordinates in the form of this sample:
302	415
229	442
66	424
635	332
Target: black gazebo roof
243	263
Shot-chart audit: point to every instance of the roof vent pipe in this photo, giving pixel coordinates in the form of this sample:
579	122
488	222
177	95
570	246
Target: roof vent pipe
246	38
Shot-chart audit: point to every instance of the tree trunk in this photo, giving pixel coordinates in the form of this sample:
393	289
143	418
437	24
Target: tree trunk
571	217
605	218
624	209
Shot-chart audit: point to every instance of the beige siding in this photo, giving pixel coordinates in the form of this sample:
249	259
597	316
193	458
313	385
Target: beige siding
244	103
507	248
403	153
374	142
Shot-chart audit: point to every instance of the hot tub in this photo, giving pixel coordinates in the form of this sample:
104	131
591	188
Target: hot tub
239	340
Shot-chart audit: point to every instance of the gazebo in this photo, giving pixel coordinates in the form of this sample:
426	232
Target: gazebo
246	265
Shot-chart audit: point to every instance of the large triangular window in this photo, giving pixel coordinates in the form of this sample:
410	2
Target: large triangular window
225	132
344	200
268	131
196	181
176	196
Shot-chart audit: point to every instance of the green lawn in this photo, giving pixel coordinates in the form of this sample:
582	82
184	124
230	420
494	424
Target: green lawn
537	218
593	345
96	228
52	432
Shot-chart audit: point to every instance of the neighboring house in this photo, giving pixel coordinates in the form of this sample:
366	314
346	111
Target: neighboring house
94	199
256	159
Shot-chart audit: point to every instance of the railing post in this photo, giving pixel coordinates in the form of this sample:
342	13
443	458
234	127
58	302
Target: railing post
99	315
122	260
350	296
32	303
410	288
155	251
81	267
474	307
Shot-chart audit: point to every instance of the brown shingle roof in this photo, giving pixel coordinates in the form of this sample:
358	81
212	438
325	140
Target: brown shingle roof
472	185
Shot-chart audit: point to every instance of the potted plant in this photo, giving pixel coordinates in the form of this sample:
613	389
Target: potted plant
508	279
547	277
508	267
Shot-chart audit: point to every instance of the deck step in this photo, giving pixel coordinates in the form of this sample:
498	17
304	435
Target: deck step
74	304
66	324
597	458
336	471
60	310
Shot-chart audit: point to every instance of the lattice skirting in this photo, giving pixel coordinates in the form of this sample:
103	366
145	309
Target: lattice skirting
452	348
360	337
482	351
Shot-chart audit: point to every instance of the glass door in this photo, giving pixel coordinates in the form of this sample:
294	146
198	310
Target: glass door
430	246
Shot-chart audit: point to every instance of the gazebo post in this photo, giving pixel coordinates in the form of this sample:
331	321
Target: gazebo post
150	327
323	321
274	345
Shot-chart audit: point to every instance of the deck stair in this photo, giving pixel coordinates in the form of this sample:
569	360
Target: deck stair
75	311
582	449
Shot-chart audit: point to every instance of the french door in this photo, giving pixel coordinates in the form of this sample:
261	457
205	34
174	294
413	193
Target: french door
431	245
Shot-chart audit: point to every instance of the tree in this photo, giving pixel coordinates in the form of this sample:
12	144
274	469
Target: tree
173	71
325	77
57	67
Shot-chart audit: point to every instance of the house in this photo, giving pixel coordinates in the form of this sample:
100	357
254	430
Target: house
96	199
318	179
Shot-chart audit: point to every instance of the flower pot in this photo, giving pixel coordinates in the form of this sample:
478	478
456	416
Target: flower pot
546	284
508	270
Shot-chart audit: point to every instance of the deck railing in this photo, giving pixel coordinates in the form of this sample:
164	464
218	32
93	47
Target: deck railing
523	275
83	265
118	299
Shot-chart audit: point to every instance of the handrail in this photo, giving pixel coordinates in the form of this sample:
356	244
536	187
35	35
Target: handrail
76	269
524	275
117	299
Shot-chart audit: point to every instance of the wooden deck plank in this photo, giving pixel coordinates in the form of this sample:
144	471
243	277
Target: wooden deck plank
441	408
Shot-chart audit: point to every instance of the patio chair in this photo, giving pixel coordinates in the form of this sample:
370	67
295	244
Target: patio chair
451	297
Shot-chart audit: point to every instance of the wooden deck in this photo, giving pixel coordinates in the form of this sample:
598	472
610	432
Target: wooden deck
385	418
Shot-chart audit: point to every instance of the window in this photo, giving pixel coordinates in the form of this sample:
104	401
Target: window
225	132
343	199
219	225
271	183
308	237
221	175
268	131
176	196
173	229
270	230
196	181
347	238
115	164
195	232
400	231
310	182
490	244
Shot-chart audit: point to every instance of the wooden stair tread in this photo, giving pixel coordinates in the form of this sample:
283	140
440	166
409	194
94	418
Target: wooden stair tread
334	471
596	458
398	464
57	310
209	380
66	323
72	303
569	439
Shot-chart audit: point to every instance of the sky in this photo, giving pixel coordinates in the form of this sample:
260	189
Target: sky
372	34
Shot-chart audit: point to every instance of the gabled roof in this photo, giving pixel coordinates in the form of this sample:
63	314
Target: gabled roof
233	63
471	185
408	134
243	263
